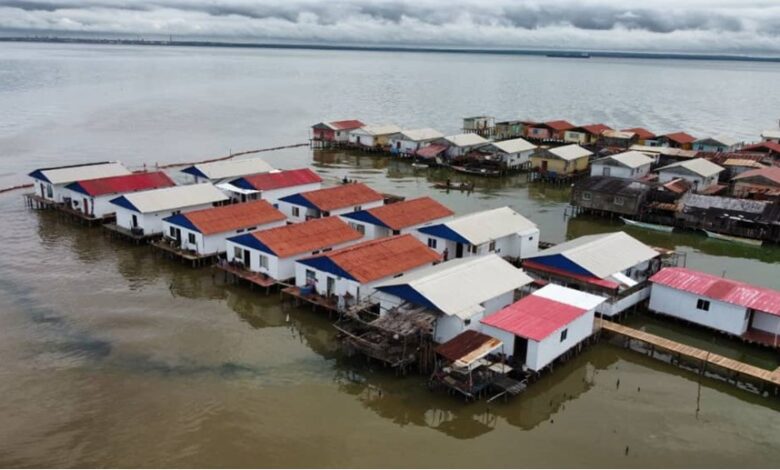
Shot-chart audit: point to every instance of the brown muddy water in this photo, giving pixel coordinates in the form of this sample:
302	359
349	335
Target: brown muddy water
114	357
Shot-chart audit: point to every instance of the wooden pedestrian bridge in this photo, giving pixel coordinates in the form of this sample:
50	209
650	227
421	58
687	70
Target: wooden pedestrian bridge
704	358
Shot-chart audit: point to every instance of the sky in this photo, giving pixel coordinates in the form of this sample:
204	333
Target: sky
692	26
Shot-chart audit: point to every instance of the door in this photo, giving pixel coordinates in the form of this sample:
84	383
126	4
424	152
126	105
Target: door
246	258
459	250
178	237
606	171
521	350
544	165
135	221
86	206
331	286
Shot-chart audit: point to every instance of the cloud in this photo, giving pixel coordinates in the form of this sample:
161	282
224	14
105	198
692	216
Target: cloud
715	26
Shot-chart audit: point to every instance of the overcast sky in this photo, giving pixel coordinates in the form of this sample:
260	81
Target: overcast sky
714	26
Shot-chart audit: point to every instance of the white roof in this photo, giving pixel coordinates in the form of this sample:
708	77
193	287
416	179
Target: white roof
425	133
630	159
484	226
233	168
383	129
615	134
236	189
699	166
604	254
513	145
466	140
460	286
570	152
566	295
175	197
771	134
671	151
721	139
70	174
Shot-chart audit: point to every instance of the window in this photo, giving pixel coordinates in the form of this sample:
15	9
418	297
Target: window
296	211
251	228
240	230
263	261
586	196
396	232
492	246
358	208
473	249
702	304
311	277
619	200
432	243
315	252
326	249
605	171
467	321
238	252
359	227
49	191
191	238
173	232
564	333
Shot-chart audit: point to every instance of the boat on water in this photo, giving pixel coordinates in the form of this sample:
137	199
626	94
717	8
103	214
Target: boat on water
731	238
569	55
476	171
463	186
656	227
420	165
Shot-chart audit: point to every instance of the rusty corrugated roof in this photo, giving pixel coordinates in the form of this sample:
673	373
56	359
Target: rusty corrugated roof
346	125
234	216
308	236
680	137
468	344
641	132
410	212
345	195
559	125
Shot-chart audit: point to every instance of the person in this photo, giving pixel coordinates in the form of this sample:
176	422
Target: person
445	254
448	182
345	180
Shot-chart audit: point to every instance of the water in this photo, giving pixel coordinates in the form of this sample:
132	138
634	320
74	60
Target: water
115	357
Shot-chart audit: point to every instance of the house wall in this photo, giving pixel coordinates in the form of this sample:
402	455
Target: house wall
360	137
699	182
515	160
538	132
721	316
610	307
273	195
323	134
151	223
558	165
99	206
341	135
542	353
404	146
450	326
598	169
704	147
372	232
213	243
607	201
766	322
574	137
519	245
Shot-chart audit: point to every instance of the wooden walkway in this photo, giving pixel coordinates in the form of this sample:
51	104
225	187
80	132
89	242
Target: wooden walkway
706	357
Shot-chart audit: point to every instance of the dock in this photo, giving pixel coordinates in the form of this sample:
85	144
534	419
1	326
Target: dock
733	368
115	231
253	278
315	300
195	259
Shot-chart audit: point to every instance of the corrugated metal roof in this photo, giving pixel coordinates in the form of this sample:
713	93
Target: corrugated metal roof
595	129
468	347
346	124
544	312
603	254
382	129
431	151
701	201
341	196
680	137
768	146
669	151
466	140
698	166
418	135
279	179
719	139
176	197
771	134
306	237
460	286
484	226
377	259
630	159
641	132
570	152
233	217
618	134
513	145
559	125
407	213
229	168
87	171
123	183
771	173
714	287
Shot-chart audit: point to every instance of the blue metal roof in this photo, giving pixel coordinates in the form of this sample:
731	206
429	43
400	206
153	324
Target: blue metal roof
193	170
445	232
559	261
38	174
250	241
78	188
242	183
409	294
182	221
122	201
299	200
365	216
324	263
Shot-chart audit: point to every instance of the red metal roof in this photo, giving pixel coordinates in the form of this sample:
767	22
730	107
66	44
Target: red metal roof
234	216
680	137
314	234
762	146
528	264
346	125
384	257
771	173
431	151
345	195
559	125
718	288
596	129
283	179
641	132
412	212
127	183
534	317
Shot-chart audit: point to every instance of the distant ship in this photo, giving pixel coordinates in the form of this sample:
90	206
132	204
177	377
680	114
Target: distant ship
569	55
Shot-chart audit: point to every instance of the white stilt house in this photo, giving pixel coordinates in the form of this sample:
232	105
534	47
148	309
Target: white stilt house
93	197
397	218
225	170
336	200
142	213
49	183
272	186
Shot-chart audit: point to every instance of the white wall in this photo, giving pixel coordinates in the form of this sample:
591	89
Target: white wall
699	182
766	322
676	303
450	326
213	243
517	159
306	213
611	308
151	223
597	169
520	245
542	353
366	139
407	146
273	195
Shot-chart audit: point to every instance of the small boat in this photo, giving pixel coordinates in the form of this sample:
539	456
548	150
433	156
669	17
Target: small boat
420	165
731	238
656	227
459	186
476	171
